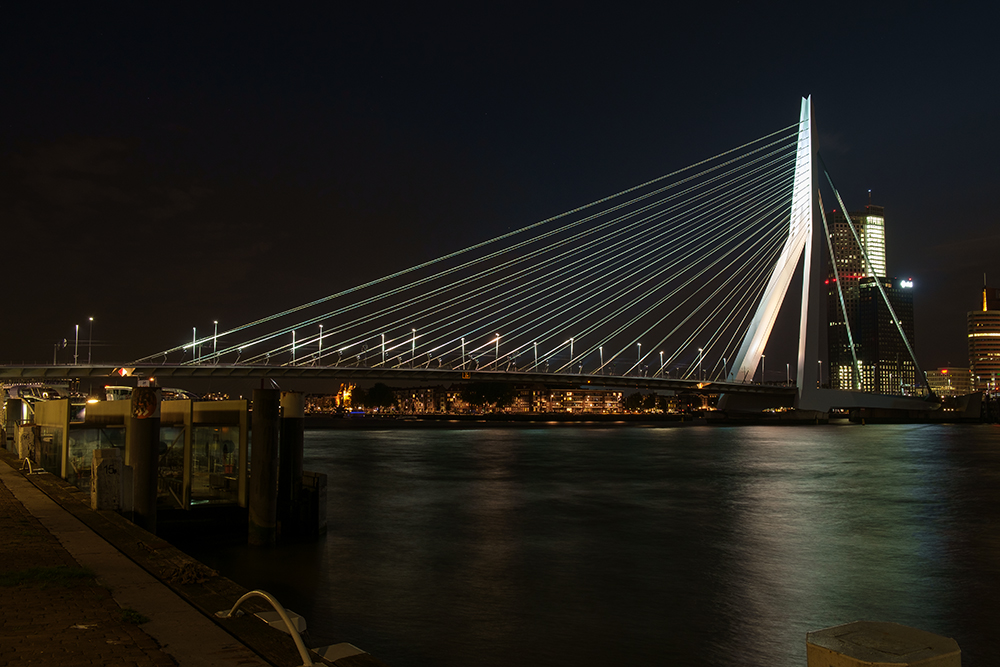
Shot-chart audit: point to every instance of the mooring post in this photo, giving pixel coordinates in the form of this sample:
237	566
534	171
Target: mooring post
142	450
264	467
290	462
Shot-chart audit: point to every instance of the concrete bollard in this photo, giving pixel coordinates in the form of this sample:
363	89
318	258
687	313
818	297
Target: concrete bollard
107	480
880	644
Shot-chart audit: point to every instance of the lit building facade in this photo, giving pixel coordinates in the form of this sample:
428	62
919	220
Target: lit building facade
885	362
851	270
984	342
950	381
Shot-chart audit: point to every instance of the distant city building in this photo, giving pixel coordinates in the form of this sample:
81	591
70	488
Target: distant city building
884	361
950	381
886	364
984	341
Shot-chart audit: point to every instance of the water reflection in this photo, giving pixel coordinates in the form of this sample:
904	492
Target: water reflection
595	546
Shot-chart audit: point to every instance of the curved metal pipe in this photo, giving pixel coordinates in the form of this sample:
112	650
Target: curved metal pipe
303	651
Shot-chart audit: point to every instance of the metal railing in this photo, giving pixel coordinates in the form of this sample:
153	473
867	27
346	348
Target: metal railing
292	630
26	463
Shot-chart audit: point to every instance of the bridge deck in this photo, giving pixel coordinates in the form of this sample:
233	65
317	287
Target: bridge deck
363	373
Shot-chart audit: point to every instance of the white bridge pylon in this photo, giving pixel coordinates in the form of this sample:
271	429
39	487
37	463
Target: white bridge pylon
801	240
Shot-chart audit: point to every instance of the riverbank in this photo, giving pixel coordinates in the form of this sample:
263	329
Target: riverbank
124	574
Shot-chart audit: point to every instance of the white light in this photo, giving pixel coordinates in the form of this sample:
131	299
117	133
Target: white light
905	284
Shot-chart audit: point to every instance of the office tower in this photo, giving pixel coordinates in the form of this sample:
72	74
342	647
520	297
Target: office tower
869	224
885	362
984	341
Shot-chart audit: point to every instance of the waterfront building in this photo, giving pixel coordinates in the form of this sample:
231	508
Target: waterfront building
984	341
950	381
538	398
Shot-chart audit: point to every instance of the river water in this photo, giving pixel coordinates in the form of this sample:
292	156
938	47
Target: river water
683	545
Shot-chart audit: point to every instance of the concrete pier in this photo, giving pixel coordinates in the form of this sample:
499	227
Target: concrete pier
293	415
142	453
263	501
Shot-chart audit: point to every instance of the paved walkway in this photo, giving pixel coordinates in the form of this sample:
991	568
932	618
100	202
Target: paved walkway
81	622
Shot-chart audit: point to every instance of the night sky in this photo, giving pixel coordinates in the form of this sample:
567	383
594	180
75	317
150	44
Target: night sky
164	166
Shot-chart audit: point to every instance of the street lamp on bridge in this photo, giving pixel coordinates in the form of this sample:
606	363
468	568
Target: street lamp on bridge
90	340
700	377
319	352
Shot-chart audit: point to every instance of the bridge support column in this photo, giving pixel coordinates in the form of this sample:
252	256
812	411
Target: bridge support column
263	499
290	463
142	452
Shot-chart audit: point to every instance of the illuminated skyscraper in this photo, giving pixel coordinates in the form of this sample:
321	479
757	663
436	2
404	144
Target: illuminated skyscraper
851	269
984	341
886	365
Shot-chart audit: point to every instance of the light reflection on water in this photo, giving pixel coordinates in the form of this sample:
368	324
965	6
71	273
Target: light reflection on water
595	545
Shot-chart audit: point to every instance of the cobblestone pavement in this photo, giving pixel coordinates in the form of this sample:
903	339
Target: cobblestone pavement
69	624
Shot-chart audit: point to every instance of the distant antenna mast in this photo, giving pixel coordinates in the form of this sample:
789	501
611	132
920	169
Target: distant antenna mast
869	196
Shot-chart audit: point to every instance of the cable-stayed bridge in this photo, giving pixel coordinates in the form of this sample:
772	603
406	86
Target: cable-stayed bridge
675	283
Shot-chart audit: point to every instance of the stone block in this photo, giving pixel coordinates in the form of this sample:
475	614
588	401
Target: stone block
880	644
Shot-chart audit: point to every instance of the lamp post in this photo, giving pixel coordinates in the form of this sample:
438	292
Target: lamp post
194	343
76	344
413	347
788	376
383	349
90	340
661	363
319	353
463	355
601	350
700	378
638	357
725	374
819	379
536	357
762	358
293	346
215	341
497	353
571	349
